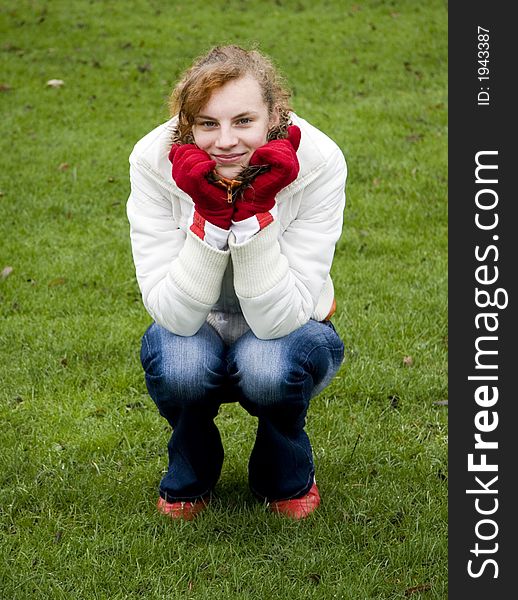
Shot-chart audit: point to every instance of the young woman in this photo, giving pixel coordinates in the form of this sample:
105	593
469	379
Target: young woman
236	205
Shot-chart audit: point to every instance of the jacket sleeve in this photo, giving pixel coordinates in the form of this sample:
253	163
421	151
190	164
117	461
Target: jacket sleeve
179	275
278	279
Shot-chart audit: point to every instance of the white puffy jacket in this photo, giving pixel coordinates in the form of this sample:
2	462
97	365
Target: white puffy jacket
272	283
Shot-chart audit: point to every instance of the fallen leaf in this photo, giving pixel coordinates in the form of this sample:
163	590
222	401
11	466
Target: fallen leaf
11	48
63	166
6	271
415	137
441	402
56	281
100	411
55	83
424	587
408	361
376	182
5	87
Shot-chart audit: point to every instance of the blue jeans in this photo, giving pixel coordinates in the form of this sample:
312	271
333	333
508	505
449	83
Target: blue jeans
190	377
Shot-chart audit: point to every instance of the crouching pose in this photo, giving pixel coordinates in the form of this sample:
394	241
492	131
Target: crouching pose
236	205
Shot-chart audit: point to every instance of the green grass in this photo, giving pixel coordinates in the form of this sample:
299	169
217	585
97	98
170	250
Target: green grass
82	445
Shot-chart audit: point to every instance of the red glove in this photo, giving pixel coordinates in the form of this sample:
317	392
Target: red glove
190	169
281	156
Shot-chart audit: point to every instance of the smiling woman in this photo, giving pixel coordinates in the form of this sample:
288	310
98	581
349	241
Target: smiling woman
228	135
233	246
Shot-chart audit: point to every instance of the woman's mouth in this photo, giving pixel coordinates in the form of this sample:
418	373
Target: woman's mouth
226	159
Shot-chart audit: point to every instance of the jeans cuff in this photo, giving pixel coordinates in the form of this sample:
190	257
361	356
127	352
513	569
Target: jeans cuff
298	494
173	498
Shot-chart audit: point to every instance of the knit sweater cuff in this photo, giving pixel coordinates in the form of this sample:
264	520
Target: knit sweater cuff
208	232
200	269
258	263
245	229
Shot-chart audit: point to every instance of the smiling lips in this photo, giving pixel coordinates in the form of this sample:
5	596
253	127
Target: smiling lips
228	158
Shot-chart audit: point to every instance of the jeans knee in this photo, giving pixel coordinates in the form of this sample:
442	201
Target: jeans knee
180	370
268	380
287	370
265	387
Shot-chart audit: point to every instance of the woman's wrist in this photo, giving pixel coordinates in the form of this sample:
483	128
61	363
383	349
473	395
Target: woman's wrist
215	236
245	229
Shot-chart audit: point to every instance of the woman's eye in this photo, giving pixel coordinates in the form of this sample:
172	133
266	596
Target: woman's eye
208	123
244	121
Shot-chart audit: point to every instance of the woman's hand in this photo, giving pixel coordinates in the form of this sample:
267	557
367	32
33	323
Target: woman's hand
281	157
190	169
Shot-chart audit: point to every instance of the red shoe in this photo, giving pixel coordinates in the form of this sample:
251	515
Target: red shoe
181	510
298	508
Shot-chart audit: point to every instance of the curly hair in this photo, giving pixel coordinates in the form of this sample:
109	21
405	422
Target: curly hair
211	71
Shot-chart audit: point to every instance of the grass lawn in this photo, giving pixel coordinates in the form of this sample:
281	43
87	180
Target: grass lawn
82	447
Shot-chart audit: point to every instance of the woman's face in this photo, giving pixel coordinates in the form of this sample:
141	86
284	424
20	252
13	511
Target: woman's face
233	124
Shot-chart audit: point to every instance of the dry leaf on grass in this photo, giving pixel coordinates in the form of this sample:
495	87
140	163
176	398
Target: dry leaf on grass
424	587
55	83
6	271
56	281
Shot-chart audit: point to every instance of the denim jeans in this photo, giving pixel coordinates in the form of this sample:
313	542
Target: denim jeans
190	377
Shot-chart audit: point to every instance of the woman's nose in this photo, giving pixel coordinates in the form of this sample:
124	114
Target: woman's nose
226	138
